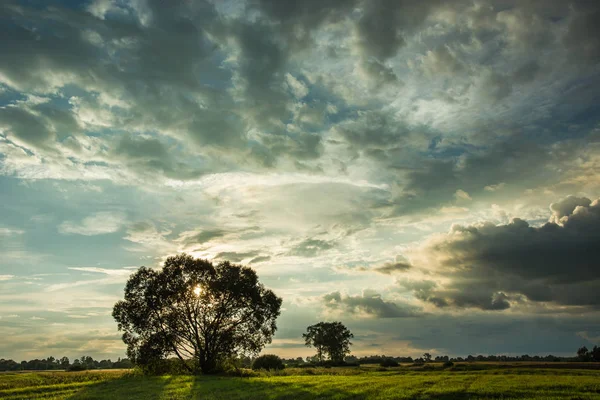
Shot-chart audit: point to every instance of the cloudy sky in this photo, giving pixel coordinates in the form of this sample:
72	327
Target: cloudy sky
426	172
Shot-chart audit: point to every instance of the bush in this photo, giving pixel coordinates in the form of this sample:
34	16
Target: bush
350	364
389	362
268	362
170	366
76	367
448	364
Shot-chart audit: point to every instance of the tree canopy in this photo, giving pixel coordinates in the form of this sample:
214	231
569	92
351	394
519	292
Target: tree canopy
329	338
194	310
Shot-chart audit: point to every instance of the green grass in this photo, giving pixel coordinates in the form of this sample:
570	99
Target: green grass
333	383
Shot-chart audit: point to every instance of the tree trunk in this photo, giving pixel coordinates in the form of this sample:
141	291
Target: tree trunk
208	364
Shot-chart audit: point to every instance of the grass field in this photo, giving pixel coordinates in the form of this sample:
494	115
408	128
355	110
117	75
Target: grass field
334	383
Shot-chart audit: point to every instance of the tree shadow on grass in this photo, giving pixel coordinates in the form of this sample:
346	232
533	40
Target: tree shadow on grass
125	387
266	389
209	388
463	395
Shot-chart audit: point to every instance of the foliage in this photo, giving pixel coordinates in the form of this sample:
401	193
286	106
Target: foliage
448	364
268	362
192	309
51	363
331	338
583	354
389	362
76	367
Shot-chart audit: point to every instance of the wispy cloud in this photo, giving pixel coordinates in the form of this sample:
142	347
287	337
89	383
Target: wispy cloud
97	224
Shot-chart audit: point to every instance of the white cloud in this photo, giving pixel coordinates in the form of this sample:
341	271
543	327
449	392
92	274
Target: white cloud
297	87
6	277
10	232
461	194
493	188
106	271
96	224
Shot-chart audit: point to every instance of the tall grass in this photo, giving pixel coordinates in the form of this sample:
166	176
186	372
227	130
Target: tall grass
309	383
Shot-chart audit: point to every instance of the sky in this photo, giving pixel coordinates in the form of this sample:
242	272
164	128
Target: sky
426	172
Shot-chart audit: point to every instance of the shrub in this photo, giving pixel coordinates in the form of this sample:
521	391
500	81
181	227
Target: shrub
171	366
268	362
389	362
350	364
448	364
76	367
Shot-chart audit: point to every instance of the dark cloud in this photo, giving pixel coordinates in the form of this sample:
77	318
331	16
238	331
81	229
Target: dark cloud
25	126
263	58
204	236
400	265
516	161
583	35
37	123
526	73
492	265
369	304
495	86
259	259
311	247
127	69
385	23
566	206
142	148
373	130
303	146
236	257
297	19
379	73
392	268
148	156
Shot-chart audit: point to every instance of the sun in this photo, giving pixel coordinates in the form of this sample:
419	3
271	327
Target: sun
197	290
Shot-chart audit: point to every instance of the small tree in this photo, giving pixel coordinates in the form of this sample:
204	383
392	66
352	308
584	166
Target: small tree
595	353
197	311
427	357
331	338
583	354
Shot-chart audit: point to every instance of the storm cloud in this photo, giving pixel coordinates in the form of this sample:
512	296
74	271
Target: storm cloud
493	266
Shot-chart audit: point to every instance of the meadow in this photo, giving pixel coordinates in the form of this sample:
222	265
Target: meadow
483	382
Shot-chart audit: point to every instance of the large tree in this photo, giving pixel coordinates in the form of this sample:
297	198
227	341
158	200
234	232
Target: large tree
329	338
196	311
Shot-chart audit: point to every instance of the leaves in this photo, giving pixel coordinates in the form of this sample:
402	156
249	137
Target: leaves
164	316
331	338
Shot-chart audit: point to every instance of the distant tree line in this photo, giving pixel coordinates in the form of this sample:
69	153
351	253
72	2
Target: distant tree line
63	363
274	362
583	354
